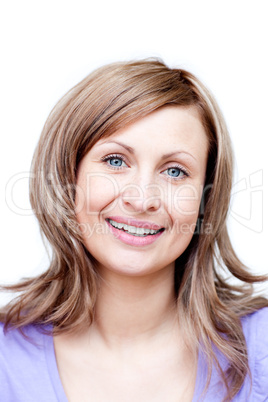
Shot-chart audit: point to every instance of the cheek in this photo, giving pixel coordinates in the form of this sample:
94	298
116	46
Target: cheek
94	192
186	202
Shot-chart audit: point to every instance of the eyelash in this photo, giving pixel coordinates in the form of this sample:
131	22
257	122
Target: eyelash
106	158
185	173
113	156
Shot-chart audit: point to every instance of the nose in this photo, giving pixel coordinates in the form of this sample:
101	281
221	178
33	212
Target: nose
138	198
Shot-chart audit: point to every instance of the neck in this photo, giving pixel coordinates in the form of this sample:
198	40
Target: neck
135	308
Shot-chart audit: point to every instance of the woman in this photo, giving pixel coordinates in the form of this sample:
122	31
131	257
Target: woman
131	186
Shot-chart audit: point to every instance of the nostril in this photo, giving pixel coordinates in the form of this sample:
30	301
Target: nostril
138	198
140	204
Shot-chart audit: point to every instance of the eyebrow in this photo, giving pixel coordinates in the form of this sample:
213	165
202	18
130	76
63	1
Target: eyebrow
131	150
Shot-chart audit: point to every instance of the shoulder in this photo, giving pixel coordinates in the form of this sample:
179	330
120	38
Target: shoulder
15	342
259	316
17	350
23	367
255	327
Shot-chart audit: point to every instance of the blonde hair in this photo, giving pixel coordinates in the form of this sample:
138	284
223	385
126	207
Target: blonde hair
208	306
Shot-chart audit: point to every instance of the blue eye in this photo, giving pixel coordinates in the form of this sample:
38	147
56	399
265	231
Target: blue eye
114	161
117	162
175	172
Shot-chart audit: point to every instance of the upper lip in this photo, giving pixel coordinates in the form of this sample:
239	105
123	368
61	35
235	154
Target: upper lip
134	222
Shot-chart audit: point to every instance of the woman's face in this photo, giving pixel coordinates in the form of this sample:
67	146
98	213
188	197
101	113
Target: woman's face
139	191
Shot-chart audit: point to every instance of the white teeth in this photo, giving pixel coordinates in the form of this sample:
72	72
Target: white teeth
133	229
140	231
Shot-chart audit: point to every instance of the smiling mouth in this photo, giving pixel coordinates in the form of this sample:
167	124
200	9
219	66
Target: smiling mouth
133	230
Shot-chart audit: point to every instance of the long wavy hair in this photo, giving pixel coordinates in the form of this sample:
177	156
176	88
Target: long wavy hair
209	307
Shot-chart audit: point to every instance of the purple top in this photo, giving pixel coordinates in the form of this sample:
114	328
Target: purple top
29	373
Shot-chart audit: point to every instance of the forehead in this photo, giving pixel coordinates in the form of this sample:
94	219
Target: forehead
165	128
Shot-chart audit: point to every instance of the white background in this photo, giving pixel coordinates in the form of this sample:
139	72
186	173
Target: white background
48	46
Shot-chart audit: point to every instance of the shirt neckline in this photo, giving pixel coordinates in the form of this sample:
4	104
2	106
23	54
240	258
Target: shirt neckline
53	367
58	387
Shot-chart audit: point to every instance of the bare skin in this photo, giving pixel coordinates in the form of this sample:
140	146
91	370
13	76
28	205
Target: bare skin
130	353
134	350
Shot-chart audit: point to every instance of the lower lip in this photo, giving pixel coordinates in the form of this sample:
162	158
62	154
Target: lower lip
132	240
